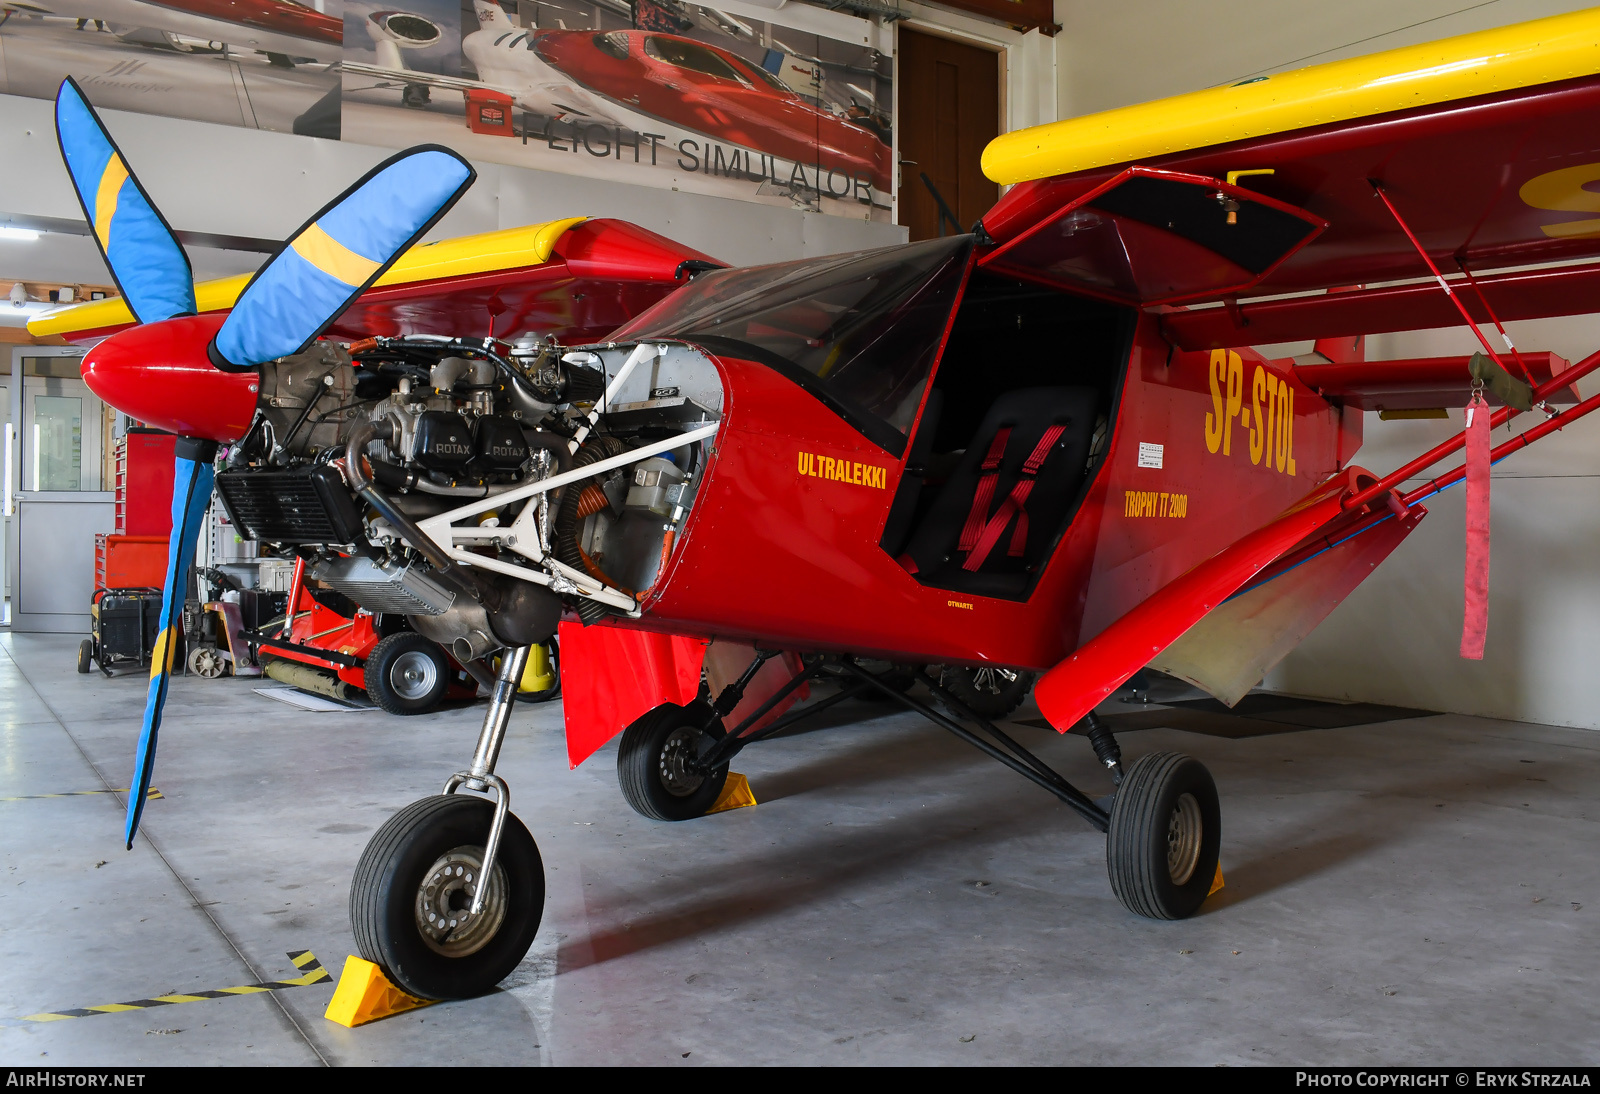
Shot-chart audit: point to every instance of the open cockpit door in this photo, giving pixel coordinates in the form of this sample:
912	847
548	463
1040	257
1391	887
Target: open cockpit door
1147	236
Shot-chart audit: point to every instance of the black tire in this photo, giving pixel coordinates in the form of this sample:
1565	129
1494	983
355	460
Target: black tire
86	655
991	692
649	763
407	673
1160	866
555	667
389	888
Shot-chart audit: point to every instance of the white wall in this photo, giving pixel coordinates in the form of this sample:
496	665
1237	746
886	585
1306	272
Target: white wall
1396	639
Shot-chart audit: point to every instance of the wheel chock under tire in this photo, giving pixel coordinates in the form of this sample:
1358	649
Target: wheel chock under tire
735	794
1216	882
364	995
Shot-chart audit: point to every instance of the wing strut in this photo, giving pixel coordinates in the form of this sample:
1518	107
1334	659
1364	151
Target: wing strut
1377	188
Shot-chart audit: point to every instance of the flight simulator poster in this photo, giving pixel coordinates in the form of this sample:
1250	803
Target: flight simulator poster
655	92
659	93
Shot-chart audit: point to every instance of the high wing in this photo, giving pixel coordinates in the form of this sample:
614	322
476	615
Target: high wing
577	279
1484	144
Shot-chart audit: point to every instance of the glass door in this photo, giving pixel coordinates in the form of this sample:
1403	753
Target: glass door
61	435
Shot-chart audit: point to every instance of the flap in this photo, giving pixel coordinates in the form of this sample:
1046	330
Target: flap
1148	236
1086	678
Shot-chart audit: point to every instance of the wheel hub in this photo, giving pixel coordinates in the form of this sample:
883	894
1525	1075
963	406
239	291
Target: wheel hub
445	897
206	662
413	675
675	763
1184	829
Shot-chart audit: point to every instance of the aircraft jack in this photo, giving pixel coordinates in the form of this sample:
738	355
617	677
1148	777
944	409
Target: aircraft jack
366	995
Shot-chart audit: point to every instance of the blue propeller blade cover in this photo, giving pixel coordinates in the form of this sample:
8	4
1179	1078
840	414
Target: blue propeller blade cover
191	494
145	258
338	254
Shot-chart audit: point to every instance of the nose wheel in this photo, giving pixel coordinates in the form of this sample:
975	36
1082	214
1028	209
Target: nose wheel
449	892
410	902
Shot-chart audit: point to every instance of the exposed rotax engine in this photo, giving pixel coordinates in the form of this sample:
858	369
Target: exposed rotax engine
354	445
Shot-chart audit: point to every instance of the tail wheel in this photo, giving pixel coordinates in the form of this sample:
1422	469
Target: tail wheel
653	763
407	673
1165	835
412	893
987	691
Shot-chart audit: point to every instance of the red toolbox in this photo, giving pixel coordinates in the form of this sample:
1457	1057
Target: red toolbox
130	562
144	484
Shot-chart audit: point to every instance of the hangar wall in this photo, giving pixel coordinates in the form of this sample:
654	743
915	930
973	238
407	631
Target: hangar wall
1395	640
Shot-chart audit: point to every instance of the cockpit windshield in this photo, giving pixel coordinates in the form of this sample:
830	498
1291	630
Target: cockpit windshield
859	331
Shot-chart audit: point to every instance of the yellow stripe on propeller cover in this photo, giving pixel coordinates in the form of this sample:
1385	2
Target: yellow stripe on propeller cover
332	257
105	197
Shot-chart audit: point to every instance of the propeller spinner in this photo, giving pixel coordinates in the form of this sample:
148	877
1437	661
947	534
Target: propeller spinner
197	375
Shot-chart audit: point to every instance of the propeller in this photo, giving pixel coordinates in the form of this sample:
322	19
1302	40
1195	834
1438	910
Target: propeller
291	300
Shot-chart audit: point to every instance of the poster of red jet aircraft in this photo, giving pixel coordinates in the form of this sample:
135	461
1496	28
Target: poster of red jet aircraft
653	92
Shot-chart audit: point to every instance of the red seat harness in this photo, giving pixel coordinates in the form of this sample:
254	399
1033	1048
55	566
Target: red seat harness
982	532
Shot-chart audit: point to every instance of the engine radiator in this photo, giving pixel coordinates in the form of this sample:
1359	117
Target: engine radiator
290	505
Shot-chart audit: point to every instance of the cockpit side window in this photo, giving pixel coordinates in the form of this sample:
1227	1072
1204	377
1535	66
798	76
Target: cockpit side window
859	331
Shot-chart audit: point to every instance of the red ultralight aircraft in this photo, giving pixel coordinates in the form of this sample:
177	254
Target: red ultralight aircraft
1045	446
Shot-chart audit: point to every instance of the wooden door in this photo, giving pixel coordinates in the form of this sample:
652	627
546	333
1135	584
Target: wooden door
949	112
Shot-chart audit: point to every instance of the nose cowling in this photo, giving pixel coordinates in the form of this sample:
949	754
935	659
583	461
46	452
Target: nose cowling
159	374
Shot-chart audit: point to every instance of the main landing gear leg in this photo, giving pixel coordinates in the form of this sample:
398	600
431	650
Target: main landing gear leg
449	892
1163	828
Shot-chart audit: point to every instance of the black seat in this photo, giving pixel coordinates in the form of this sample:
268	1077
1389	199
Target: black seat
935	552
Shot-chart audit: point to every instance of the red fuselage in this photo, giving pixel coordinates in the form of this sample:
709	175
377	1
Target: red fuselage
793	559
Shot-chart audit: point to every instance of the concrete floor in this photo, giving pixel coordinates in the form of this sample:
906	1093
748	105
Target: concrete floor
1416	892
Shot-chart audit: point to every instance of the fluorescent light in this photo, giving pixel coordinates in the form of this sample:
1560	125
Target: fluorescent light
21	235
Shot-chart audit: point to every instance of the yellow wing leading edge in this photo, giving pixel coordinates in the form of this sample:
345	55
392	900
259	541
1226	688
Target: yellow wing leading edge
1542	51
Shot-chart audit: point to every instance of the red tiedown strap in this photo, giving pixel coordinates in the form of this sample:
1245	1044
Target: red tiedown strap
1475	617
1015	503
985	491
